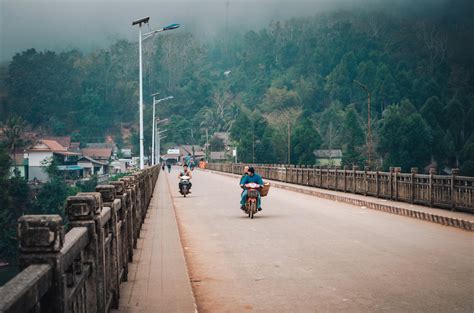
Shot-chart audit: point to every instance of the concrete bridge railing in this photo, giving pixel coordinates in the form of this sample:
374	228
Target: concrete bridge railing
81	270
445	191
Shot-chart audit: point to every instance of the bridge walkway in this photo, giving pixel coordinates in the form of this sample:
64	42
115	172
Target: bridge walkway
158	280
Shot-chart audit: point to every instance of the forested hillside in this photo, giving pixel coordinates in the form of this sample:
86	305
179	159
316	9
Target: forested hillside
298	72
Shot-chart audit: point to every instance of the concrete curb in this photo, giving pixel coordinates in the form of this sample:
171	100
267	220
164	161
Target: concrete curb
425	216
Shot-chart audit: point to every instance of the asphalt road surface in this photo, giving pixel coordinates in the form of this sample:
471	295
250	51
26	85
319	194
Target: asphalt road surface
306	254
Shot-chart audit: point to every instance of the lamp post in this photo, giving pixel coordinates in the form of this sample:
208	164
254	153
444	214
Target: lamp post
155	136
369	134
153	126
141	37
159	137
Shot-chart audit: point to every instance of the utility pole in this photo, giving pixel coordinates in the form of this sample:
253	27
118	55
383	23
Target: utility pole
289	140
207	145
369	133
330	143
253	145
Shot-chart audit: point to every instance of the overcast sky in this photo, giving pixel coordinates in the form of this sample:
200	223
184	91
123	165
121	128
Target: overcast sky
85	24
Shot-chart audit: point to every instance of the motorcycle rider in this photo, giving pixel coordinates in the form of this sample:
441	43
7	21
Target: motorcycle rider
185	172
252	177
246	173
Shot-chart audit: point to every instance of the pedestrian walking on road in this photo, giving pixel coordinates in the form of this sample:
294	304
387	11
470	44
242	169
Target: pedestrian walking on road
169	167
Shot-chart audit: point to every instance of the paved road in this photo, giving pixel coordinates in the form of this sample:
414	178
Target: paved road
306	254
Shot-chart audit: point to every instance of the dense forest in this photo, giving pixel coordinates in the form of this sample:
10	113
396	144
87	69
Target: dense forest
292	77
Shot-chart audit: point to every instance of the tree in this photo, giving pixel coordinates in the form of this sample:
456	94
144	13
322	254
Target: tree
241	133
14	127
14	201
404	139
217	144
305	139
51	198
352	139
467	158
265	150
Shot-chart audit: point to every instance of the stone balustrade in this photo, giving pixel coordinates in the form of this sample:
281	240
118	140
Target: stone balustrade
445	191
80	270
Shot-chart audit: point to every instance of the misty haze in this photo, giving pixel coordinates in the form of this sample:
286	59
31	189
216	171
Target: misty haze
236	156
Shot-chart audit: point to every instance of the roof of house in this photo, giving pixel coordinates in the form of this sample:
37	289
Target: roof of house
64	141
97	153
52	146
101	145
218	155
189	149
89	159
326	153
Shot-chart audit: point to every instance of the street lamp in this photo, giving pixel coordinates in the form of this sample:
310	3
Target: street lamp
155	137
369	134
153	125
159	142
141	22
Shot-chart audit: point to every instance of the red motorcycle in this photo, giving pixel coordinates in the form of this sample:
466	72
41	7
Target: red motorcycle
253	191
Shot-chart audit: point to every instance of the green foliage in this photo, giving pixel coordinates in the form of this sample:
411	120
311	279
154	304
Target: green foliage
305	139
88	185
216	144
302	64
117	176
52	197
353	137
467	158
405	138
14	201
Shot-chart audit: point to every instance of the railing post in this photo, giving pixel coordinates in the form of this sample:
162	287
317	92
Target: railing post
390	182
108	194
397	170
377	184
366	182
41	238
123	220
130	224
414	171
320	177
455	172
345	178
83	210
354	181
432	171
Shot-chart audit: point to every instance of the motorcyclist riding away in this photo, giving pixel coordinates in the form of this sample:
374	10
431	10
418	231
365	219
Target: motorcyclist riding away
185	172
252	177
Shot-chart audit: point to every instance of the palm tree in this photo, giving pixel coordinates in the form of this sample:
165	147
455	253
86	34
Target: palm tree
13	130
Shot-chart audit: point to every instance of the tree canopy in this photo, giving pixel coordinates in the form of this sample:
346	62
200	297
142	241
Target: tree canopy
419	76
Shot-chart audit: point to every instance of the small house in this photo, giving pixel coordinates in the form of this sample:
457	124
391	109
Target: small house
328	157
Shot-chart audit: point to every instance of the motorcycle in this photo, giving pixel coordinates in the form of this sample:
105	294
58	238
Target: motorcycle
253	190
184	185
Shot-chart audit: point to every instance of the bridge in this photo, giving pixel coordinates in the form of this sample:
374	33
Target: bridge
327	240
